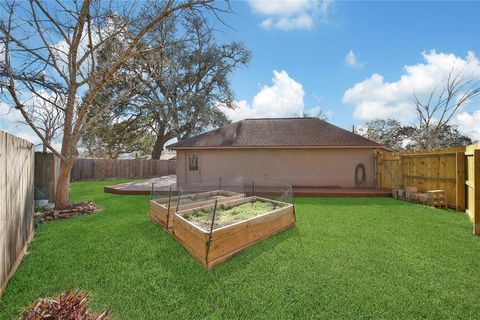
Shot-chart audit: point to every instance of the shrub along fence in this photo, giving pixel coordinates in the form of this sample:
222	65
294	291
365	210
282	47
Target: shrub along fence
17	162
98	169
455	170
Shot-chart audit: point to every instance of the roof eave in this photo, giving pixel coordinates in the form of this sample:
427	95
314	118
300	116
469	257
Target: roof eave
173	147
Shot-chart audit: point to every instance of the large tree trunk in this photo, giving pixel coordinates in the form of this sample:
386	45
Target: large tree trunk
62	194
158	147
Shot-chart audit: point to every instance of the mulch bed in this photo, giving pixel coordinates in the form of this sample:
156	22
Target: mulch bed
73	210
68	306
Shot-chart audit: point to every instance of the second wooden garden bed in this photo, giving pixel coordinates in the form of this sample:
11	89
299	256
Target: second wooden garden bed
162	210
212	247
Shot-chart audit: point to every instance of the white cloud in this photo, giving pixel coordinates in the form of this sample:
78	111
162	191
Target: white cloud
11	121
315	111
9	115
284	98
469	124
280	7
375	98
291	14
303	21
351	60
325	7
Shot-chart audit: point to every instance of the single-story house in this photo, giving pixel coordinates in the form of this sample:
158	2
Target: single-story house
303	152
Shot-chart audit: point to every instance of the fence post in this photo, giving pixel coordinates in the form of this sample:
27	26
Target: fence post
401	175
460	181
476	192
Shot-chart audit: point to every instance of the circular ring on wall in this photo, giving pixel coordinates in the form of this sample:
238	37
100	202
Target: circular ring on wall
360	175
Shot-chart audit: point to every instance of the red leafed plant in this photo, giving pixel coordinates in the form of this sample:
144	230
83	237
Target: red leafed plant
68	306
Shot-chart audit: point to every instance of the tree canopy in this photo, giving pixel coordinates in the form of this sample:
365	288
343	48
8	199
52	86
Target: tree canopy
393	134
178	90
54	49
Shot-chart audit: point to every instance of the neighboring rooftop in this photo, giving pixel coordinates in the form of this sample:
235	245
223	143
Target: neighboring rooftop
276	132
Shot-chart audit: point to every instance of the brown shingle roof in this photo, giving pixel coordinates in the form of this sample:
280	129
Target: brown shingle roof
276	132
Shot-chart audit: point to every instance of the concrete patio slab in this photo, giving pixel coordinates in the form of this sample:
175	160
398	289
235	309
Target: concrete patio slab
162	184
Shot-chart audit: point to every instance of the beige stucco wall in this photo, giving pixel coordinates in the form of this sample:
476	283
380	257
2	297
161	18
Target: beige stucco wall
298	167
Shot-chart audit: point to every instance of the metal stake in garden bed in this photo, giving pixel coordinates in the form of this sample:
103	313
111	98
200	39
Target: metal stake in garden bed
168	210
153	189
210	234
178	201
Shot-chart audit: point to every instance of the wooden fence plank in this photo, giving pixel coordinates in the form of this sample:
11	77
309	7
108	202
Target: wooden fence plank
99	169
460	181
3	207
426	170
47	170
476	192
16	202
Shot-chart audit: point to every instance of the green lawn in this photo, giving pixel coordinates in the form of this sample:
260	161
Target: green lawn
346	258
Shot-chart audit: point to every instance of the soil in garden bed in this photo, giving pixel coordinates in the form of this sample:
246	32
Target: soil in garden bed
227	216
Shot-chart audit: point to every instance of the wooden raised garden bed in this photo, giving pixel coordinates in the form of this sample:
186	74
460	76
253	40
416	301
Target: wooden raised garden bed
212	247
159	207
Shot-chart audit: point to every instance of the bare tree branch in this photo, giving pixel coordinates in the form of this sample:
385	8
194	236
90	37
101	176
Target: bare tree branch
459	89
52	51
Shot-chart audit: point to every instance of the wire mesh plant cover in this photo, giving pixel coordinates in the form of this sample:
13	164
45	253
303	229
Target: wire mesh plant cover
271	189
212	190
222	188
219	215
214	232
68	306
223	192
196	192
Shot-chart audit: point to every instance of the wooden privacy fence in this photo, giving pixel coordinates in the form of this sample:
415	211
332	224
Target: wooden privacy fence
47	170
17	158
453	170
97	169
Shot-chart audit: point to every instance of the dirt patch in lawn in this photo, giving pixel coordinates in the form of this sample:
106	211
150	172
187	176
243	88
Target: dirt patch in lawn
227	216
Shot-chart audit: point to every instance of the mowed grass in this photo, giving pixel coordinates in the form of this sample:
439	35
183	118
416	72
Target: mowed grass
346	258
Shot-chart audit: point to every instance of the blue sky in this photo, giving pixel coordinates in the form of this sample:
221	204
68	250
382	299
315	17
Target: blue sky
383	36
356	60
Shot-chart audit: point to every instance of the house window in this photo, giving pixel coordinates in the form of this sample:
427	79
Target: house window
193	162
